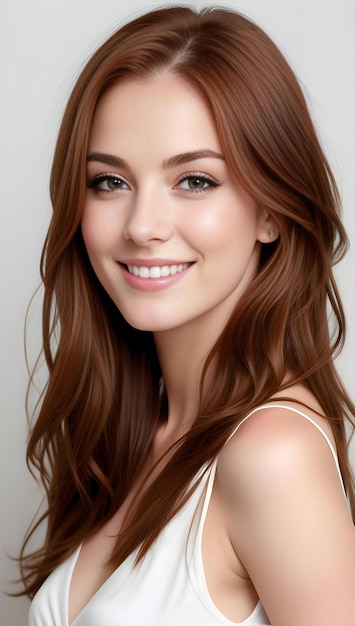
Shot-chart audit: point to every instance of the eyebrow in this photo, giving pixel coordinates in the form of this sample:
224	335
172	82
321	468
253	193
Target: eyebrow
186	157
179	159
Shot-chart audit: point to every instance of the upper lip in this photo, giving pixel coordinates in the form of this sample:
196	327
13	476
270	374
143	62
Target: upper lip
153	262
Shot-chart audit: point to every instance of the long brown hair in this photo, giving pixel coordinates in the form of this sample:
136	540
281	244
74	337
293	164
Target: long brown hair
102	404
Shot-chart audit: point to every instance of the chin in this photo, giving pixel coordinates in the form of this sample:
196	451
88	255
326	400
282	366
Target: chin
145	324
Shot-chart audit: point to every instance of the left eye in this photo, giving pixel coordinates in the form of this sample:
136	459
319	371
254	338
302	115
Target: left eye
107	183
197	183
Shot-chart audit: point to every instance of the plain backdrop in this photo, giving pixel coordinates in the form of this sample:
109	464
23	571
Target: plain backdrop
44	43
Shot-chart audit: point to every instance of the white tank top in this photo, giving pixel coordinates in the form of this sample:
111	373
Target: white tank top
168	588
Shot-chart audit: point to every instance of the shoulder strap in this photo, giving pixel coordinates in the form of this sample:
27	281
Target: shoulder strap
260	408
210	475
305	416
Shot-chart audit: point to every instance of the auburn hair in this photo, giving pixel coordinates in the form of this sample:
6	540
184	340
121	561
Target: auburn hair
103	401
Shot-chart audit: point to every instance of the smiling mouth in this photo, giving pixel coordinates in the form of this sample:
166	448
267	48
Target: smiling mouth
157	271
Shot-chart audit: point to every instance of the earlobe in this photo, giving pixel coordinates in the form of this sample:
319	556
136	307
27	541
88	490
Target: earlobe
269	230
272	234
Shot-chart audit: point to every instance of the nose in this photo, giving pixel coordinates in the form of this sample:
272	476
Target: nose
148	218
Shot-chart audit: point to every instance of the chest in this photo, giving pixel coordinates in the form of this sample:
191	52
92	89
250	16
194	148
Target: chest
195	545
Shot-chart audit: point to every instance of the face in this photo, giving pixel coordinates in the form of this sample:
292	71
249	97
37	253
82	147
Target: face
170	234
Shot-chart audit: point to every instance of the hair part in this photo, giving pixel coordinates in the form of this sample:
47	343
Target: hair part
102	403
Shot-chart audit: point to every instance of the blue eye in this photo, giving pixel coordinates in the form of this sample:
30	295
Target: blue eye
107	183
197	183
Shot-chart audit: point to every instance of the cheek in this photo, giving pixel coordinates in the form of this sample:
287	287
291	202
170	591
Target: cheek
96	230
87	232
97	239
230	229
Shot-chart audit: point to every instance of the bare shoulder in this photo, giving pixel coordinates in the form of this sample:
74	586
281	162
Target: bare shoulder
287	516
279	442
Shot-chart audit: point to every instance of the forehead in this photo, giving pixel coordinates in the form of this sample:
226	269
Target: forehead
156	111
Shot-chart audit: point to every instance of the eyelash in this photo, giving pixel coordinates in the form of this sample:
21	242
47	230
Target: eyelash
208	182
94	183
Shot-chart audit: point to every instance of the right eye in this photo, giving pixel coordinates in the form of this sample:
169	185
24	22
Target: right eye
107	183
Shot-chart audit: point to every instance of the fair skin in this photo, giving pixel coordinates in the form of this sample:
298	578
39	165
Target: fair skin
154	216
277	515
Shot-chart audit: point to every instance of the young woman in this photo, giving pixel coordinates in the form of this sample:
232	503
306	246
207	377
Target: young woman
191	438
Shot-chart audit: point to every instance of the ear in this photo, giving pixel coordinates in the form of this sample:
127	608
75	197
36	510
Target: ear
268	228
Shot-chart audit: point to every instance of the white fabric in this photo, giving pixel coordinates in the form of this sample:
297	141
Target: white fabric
167	589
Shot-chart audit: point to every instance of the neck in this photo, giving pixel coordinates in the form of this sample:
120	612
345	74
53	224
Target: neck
182	355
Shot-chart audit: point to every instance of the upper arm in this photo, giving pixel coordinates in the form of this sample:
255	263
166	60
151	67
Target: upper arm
288	520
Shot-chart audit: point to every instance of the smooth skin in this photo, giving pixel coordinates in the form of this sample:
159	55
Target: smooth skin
288	521
278	526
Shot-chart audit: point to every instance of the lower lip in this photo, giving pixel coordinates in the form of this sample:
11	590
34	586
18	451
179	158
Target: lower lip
152	284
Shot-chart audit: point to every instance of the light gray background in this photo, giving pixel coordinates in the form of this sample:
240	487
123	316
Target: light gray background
43	45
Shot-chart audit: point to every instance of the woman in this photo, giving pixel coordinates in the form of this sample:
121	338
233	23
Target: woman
191	438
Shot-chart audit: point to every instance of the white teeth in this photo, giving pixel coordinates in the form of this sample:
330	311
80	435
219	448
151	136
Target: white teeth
154	272
157	271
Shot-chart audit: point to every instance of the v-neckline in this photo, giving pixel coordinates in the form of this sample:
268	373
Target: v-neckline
75	557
